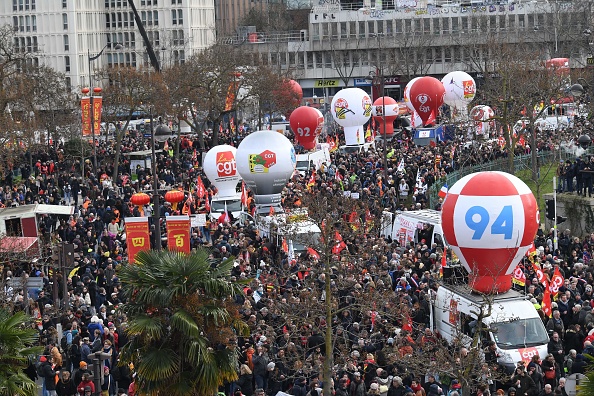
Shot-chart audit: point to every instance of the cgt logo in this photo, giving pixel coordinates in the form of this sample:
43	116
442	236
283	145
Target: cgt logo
226	166
527	353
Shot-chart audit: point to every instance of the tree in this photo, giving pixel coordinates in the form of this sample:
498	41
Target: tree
131	90
16	340
182	321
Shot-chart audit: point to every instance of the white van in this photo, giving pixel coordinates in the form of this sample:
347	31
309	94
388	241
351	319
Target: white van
513	324
357	148
313	159
299	231
233	204
418	225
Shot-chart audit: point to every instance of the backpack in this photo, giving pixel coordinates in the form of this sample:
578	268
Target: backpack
74	351
39	369
64	344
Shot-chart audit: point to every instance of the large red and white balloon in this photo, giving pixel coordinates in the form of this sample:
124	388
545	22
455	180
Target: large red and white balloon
406	94
489	220
306	122
385	111
426	96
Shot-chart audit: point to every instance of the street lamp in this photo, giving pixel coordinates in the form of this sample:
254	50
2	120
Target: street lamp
92	90
160	129
376	78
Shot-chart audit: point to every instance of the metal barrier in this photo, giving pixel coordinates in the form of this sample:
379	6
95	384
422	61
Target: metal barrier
521	162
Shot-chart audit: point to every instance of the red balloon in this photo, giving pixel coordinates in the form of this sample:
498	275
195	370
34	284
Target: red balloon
385	111
306	123
426	96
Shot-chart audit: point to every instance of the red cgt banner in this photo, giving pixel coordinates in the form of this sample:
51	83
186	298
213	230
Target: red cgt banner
97	106
137	236
178	233
85	105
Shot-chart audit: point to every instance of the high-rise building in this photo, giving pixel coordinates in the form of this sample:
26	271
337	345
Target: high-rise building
79	37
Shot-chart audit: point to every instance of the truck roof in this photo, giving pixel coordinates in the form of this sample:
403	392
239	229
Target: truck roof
465	291
426	215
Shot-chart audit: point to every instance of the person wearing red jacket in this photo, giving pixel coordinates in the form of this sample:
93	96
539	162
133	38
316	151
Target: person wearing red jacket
86	381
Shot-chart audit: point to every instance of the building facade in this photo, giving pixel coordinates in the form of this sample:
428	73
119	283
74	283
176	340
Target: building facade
400	39
65	34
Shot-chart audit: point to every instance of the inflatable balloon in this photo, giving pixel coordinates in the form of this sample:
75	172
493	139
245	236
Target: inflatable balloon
426	96
351	108
385	111
220	168
489	219
415	120
484	119
406	94
306	122
460	89
266	160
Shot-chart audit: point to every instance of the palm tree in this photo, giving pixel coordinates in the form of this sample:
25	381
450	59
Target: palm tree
182	322
16	340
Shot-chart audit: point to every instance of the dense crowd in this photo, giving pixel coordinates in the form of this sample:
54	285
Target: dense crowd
281	355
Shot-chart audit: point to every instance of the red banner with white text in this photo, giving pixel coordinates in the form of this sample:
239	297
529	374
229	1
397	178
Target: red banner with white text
85	106
137	236
178	233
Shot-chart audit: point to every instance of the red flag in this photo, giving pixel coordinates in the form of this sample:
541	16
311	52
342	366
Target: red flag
271	211
207	202
546	302
225	216
315	255
340	245
200	189
285	246
253	212
244	194
519	277
556	282
444	262
407	324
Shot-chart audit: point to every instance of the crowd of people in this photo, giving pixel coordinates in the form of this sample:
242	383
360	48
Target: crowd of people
281	354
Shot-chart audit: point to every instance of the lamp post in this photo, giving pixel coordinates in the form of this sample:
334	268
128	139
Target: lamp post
92	91
156	212
377	79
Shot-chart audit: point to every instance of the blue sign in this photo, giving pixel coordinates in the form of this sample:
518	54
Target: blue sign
361	82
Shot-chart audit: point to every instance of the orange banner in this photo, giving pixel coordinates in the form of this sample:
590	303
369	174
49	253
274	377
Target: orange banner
97	104
85	105
137	236
178	233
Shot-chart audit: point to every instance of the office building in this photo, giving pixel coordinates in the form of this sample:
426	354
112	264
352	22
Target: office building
64	34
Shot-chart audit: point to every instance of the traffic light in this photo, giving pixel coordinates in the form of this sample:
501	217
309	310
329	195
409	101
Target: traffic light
550	209
561	219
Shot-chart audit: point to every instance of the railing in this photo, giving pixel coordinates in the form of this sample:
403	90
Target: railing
521	162
263	37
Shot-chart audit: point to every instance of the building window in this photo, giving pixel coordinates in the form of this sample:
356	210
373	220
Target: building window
67	63
107	24
15	23
35	45
68	83
15	6
361	29
131	19
64	3
156	18
343	30
21	24
119	19
32	4
437	26
66	43
65	21
29	44
177	17
21	5
150	18
125	19
27	2
143	17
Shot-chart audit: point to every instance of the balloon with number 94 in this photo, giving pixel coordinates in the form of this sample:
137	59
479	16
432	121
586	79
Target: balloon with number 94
489	220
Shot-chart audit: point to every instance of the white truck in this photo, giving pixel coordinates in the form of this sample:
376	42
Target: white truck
299	231
418	225
232	203
513	323
312	159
